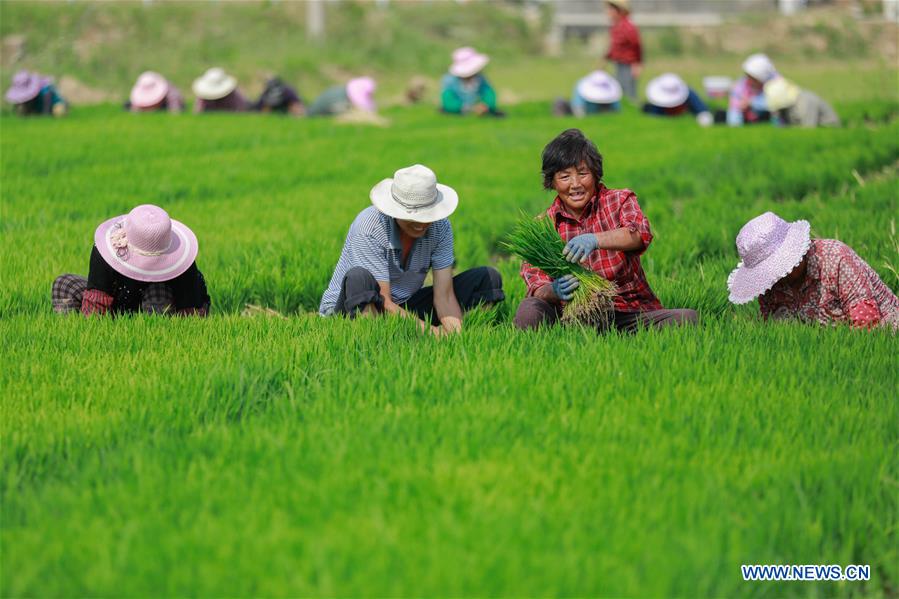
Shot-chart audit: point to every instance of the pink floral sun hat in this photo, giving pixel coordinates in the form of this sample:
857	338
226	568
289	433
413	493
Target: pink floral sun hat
25	87
146	245
150	89
360	91
468	62
769	249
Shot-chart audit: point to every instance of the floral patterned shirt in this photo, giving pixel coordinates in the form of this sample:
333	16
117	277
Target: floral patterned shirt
838	287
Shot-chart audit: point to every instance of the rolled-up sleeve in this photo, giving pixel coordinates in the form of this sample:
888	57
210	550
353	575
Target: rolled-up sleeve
534	278
631	216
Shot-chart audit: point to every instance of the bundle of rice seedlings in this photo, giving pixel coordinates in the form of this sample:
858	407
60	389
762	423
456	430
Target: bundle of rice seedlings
536	241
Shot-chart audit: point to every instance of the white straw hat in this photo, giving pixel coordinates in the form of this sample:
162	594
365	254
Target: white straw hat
667	91
781	93
599	88
759	67
215	84
414	194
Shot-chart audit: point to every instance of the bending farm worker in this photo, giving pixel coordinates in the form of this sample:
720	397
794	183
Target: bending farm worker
217	91
812	280
357	94
142	261
669	95
625	49
746	104
389	250
605	231
153	92
798	107
596	93
34	95
280	97
465	90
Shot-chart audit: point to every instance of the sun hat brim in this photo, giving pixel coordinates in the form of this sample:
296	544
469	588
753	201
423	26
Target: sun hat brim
382	199
599	94
207	90
360	93
658	96
150	269
22	94
747	283
469	67
144	98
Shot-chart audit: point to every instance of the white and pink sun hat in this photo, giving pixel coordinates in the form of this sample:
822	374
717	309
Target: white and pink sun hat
770	248
150	89
360	91
667	91
599	88
468	62
146	245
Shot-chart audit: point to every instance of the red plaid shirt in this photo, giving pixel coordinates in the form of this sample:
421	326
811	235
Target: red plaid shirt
625	47
610	209
838	287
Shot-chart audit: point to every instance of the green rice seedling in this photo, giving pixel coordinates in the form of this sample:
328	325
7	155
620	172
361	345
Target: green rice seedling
535	241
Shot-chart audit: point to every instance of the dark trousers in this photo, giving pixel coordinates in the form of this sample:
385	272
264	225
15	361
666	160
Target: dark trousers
481	285
534	312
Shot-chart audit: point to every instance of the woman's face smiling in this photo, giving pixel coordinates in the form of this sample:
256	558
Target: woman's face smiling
576	186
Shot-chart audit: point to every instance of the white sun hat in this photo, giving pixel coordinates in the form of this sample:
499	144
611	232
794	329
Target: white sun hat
215	84
667	91
781	93
414	194
759	67
468	62
599	88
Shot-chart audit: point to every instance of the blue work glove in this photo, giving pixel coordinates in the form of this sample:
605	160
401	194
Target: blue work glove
578	248
565	286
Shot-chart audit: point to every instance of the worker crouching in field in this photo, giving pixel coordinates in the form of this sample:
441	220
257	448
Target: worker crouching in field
142	261
280	97
393	244
217	91
357	94
465	90
746	104
798	107
34	95
152	93
605	231
812	280
596	93
669	95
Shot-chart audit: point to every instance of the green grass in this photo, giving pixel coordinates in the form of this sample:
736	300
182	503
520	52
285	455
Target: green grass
253	456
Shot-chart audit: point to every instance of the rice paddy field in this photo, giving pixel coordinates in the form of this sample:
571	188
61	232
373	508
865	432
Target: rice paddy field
299	456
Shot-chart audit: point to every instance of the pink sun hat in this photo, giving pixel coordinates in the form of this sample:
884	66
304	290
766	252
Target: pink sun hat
360	92
770	248
25	87
468	62
150	89
146	245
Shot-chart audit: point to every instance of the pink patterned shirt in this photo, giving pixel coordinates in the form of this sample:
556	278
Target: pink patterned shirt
838	287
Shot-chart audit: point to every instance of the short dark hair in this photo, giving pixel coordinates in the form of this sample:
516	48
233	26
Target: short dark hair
570	148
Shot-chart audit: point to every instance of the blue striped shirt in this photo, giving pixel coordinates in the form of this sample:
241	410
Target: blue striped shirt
373	243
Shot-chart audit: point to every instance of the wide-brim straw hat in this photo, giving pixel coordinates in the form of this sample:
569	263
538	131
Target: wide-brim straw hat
414	194
146	245
599	88
667	91
468	62
150	89
25	87
759	67
770	248
781	93
360	92
624	5
215	84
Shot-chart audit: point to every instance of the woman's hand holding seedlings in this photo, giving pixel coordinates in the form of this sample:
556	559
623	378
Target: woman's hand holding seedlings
578	248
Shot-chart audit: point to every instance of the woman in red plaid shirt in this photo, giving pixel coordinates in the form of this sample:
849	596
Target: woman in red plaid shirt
605	230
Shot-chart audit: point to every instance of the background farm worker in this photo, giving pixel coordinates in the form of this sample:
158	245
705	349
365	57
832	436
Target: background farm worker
625	49
746	104
596	93
280	97
812	280
605	230
34	94
669	95
465	89
217	91
142	261
356	94
390	248
798	107
153	92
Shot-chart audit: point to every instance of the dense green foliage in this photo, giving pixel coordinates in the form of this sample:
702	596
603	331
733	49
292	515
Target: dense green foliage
306	456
